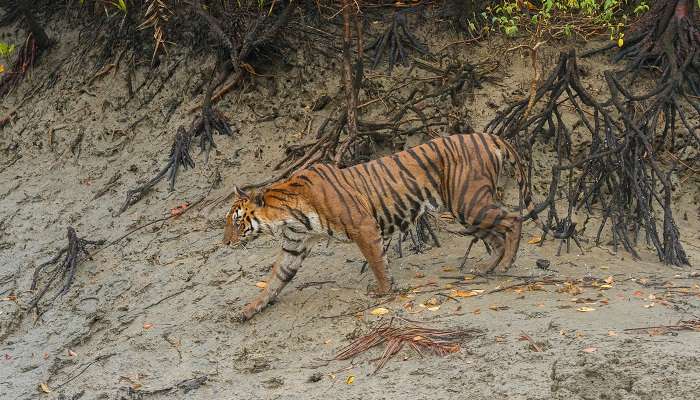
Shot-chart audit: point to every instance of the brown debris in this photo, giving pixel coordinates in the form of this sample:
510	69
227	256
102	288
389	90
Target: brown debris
421	339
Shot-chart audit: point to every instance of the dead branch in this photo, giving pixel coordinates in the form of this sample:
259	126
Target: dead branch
437	341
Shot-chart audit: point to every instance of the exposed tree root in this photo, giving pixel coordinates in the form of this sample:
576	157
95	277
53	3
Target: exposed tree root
72	255
395	42
179	157
619	171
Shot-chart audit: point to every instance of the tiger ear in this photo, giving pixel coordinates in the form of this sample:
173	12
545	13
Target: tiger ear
240	193
259	199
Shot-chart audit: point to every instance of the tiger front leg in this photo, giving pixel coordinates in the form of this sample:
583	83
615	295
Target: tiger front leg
283	270
371	245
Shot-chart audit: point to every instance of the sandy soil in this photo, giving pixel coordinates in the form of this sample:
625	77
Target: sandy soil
150	318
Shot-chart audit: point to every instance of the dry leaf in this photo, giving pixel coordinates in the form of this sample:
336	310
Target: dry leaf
179	209
420	275
609	280
71	353
44	388
585	309
418	338
590	349
605	286
496	307
11	297
433	308
534	240
466	293
350	379
649	305
612	333
571	288
379	311
147	325
448	269
477	311
261	285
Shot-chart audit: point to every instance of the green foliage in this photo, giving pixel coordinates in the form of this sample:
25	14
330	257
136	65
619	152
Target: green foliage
564	17
120	5
6	49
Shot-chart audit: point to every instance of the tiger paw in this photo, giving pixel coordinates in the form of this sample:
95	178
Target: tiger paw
377	291
239	317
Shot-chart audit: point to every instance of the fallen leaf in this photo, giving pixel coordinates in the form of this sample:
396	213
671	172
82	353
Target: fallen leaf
477	311
496	307
466	293
11	297
590	349
612	333
534	240
448	269
261	285
433	308
44	388
179	209
585	309
432	302
418	338
649	305
2	68
448	286
71	353
379	311
571	288
500	339
350	379
46	356
147	325
638	293
605	286
656	331
609	280
420	275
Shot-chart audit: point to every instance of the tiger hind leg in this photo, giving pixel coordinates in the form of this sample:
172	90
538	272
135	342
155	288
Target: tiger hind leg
512	231
495	241
488	221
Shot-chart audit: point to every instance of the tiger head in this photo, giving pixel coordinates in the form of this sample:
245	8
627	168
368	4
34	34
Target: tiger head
242	224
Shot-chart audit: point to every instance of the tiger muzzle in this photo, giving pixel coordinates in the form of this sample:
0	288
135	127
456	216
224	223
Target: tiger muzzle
231	235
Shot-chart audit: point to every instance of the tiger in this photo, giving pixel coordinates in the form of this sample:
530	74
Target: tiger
366	203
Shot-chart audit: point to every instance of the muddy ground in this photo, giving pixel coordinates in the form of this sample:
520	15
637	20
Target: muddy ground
151	317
